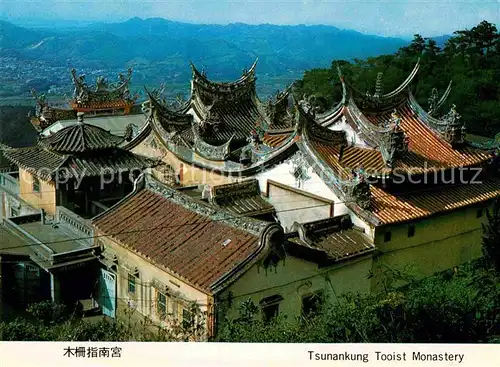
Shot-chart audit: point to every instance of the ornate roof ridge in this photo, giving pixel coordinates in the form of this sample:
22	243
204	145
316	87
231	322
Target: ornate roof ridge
434	103
251	225
377	96
173	116
102	91
214	152
248	75
448	128
307	125
330	115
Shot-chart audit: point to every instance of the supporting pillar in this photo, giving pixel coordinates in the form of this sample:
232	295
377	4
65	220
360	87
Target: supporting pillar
55	289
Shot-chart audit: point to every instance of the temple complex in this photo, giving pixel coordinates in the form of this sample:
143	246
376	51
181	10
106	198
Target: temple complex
227	198
105	104
396	168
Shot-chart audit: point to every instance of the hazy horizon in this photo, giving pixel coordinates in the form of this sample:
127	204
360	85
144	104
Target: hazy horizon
391	18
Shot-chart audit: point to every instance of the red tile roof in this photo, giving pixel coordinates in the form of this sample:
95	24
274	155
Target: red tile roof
426	146
352	158
393	208
102	105
192	245
275	140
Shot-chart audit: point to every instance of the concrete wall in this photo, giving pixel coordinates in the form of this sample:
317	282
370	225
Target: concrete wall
44	199
440	242
296	206
315	185
145	297
189	174
294	278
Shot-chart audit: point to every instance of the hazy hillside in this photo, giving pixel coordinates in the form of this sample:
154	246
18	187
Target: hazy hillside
160	50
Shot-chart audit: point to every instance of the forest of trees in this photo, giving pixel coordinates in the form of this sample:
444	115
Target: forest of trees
470	59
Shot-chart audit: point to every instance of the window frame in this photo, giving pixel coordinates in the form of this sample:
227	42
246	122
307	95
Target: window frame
132	279
270	303
319	294
411	230
387	236
191	317
35	185
161	315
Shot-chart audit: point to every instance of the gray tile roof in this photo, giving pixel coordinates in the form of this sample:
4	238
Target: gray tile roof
80	138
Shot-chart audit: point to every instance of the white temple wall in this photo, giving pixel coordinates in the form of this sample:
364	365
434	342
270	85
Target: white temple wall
282	173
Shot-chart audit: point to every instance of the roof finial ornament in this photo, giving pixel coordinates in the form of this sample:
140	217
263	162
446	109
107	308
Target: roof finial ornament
395	120
433	100
79	118
455	130
379	87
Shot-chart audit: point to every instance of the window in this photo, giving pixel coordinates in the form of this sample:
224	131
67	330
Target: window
36	184
387	236
270	312
161	305
270	307
479	213
311	303
187	319
131	284
411	230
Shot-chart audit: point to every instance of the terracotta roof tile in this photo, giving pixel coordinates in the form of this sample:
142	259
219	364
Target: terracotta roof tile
170	235
275	140
102	105
352	158
393	208
335	236
426	146
241	198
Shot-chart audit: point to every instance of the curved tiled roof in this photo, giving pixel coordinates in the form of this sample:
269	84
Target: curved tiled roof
45	164
426	146
394	208
352	158
80	138
191	244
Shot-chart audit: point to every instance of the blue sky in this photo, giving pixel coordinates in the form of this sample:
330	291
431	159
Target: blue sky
386	17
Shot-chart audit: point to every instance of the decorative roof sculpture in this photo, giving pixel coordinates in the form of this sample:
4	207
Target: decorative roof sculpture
103	94
435	102
455	130
222	120
46	115
379	100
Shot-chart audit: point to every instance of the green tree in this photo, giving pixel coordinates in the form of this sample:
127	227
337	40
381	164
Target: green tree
491	236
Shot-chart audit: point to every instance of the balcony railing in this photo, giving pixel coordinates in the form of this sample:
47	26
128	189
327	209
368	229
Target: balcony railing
75	223
9	182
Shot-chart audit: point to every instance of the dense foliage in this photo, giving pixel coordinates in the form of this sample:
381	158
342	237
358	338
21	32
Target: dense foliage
46	321
15	127
470	59
491	237
459	306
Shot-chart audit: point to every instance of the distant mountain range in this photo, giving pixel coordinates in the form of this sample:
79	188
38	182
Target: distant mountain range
160	50
223	49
